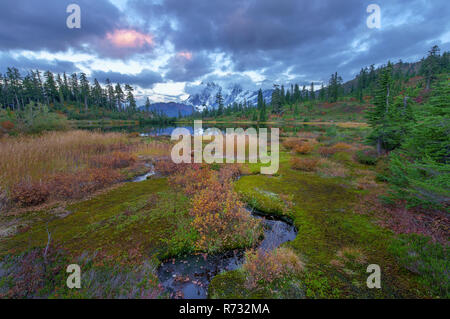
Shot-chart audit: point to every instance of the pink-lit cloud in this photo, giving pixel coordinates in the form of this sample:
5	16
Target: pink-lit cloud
185	55
129	38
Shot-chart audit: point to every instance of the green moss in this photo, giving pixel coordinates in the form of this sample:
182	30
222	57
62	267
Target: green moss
430	260
323	213
228	285
231	285
141	215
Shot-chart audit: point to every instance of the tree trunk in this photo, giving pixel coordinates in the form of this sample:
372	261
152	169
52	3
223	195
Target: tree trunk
387	99
379	147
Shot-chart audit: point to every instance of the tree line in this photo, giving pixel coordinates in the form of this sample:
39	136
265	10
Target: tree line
16	91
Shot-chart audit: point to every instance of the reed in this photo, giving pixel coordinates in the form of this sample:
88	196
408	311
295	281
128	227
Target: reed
33	158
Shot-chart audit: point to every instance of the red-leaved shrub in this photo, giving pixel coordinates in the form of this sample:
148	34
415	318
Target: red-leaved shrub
114	160
29	193
304	164
76	185
7	125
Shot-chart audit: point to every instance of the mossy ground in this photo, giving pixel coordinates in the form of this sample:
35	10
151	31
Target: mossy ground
322	209
148	221
136	216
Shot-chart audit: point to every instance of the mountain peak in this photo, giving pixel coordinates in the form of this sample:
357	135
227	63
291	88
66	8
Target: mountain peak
207	92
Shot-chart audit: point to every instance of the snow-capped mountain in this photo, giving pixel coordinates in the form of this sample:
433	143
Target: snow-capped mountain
207	92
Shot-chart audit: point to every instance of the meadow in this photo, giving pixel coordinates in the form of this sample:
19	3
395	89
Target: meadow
330	186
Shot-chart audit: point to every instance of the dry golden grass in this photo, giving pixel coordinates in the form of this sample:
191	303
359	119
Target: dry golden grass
329	168
33	158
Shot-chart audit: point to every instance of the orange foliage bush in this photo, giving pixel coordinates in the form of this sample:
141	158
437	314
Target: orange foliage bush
221	219
29	193
192	179
292	142
7	125
218	216
304	148
304	164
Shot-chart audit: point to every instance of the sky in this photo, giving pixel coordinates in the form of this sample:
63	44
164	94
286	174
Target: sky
166	48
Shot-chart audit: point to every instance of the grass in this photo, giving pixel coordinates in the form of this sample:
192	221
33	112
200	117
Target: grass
336	243
125	232
36	157
64	165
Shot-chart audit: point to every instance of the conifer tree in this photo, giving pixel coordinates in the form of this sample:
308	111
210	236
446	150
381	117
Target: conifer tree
219	102
312	93
276	99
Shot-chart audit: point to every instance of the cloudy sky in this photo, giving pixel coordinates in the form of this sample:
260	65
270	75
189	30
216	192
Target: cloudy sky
166	47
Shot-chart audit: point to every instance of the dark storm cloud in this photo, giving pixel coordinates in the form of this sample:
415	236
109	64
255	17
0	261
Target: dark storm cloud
312	39
284	40
186	66
145	79
38	25
25	64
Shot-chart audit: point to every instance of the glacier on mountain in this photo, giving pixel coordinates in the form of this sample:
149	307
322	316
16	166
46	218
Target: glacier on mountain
207	92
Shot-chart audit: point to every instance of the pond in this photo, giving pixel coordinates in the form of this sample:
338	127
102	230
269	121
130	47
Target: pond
189	276
166	130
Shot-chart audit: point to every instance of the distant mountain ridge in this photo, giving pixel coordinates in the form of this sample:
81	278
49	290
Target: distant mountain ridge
171	109
207	92
206	97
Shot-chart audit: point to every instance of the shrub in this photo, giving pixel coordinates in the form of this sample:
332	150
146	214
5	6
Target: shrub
327	151
76	185
115	160
167	167
304	148
193	179
262	267
30	193
7	125
367	156
292	142
221	219
229	173
304	164
299	145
